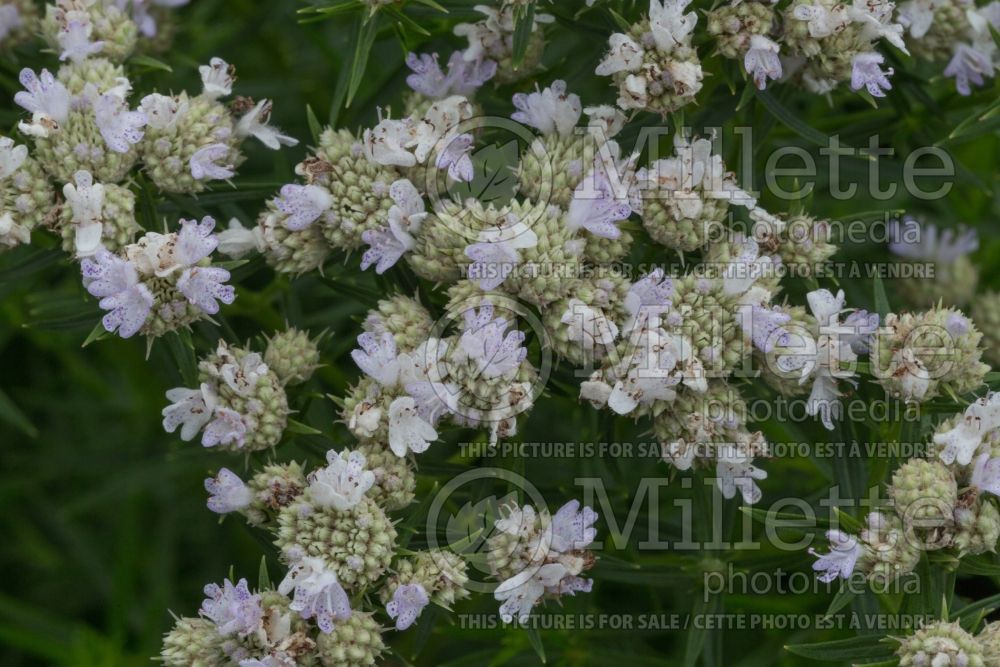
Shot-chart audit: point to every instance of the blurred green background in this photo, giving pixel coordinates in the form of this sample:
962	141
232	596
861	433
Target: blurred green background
104	527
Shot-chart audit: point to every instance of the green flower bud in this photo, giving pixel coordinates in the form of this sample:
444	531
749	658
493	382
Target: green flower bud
167	147
443	575
829	60
27	197
695	419
100	72
193	642
111	25
684	224
887	551
408	321
358	543
356	642
925	354
977	527
940	645
734	25
801	241
986	315
953	284
287	251
949	25
924	489
395	477
292	355
264	406
553	166
989	640
606	295
78	146
276	486
681	62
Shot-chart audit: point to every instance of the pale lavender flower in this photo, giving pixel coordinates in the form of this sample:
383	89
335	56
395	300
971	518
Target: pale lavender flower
303	204
867	72
388	244
765	326
986	474
378	358
736	472
10	20
47	99
572	528
74	38
968	65
843	556
233	609
520	593
227	428
957	325
342	483
217	78
317	593
914	240
115	281
190	409
595	208
204	286
11	157
495	255
407	602
761	61
205	165
195	241
551	110
227	492
863	325
120	127
651	295
497	352
255	123
456	159
463	77
408	431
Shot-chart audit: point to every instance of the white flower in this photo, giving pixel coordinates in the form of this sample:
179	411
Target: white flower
456	159
572	528
10	20
204	163
670	26
233	609
303	204
162	111
867	72
387	142
914	240
237	241
842	559
604	121
875	16
407	602
520	593
86	202
496	254
227	492
11	157
47	99
962	441
588	326
342	483
551	111
822	22
438	126
969	65
115	281
255	123
625	55
377	358
914	378
317	593
596	207
227	428
761	60
496	353
407	429
650	376
741	272
74	39
191	409
647	299
388	244
242	377
736	472
217	78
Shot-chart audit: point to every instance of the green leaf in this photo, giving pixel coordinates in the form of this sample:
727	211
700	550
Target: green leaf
362	49
10	413
536	642
404	21
843	650
298	428
797	125
620	21
843	598
315	129
98	333
432	5
263	578
150	63
522	33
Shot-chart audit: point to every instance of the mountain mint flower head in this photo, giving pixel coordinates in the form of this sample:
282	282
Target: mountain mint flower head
78	29
227	492
842	558
292	355
317	593
924	489
951	277
342	483
26	197
492	38
655	67
736	28
941	644
233	609
355	642
495	255
986	314
407	603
